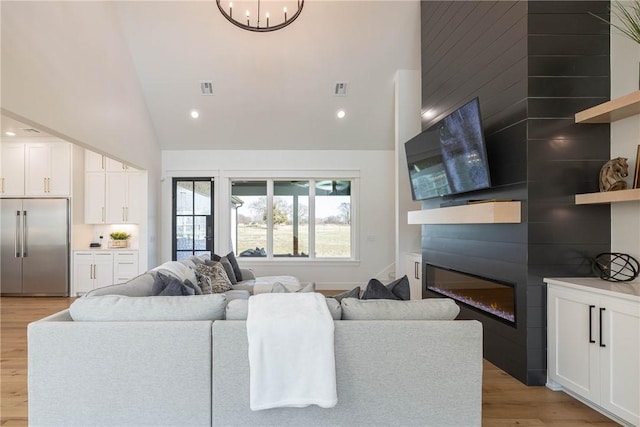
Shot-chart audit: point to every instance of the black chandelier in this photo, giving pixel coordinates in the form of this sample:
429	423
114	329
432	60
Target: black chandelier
244	20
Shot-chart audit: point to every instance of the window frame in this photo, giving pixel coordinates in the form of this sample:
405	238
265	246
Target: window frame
174	215
311	176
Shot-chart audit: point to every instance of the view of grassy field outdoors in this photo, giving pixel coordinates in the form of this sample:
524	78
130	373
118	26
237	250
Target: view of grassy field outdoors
332	240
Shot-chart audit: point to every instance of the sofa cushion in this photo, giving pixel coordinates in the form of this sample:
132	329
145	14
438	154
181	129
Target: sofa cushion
117	308
384	309
139	286
238	309
229	270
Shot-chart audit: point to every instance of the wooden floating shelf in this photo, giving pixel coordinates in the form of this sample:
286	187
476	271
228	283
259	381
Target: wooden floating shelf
608	197
616	109
477	213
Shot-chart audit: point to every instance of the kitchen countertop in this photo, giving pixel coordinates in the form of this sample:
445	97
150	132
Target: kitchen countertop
626	290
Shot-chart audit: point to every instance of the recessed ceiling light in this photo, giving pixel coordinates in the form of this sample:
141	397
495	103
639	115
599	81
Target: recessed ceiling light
9	133
195	114
341	114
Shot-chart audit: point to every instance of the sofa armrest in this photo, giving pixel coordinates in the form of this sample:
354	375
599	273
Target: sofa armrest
119	373
247	274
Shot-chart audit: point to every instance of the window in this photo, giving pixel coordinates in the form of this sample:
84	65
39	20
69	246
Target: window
292	218
192	217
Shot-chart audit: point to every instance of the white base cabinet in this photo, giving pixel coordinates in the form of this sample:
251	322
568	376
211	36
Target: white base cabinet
593	344
95	269
414	273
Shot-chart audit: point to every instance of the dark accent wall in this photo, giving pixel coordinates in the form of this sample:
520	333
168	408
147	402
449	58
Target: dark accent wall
533	65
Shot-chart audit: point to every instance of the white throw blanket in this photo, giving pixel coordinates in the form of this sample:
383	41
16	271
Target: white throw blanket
291	357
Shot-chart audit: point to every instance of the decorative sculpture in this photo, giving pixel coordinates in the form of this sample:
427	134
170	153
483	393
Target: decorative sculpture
615	267
613	173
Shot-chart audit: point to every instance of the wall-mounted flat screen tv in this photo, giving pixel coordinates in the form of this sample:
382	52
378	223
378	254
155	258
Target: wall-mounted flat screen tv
450	157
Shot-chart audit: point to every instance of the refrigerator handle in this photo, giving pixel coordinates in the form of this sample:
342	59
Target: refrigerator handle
24	234
17	236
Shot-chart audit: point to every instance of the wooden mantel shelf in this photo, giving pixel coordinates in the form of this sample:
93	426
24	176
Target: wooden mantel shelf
608	197
477	213
616	109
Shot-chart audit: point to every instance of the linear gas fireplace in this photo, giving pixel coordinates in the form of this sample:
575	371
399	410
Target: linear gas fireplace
490	296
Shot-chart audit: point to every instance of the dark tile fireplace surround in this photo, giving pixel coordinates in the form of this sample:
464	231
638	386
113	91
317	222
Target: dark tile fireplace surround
533	65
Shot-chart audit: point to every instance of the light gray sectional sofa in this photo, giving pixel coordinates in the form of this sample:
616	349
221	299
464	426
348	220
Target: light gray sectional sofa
119	369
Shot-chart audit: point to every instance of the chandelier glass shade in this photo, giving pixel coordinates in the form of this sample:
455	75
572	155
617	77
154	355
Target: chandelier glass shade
251	15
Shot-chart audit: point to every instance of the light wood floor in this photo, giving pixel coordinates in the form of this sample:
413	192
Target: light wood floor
506	402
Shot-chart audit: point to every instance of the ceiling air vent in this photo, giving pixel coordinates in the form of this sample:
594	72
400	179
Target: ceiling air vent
340	89
206	87
30	130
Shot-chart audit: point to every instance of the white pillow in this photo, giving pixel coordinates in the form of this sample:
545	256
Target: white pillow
178	270
117	308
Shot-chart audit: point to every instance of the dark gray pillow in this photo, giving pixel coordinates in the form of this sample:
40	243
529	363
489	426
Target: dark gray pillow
167	285
400	288
376	290
234	263
353	293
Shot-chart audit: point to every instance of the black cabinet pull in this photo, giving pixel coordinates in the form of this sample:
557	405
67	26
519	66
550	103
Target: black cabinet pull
591	340
601	343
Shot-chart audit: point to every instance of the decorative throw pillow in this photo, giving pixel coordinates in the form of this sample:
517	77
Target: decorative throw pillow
400	288
203	280
234	263
227	268
376	290
217	276
353	293
397	290
279	288
166	285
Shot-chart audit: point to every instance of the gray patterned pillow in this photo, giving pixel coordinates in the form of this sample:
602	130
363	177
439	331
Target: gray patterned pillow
218	278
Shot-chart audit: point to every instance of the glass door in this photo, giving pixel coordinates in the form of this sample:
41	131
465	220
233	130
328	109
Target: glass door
192	217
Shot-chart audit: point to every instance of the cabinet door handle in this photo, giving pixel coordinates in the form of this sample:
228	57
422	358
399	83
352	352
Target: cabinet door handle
1	185
591	340
103	214
103	161
17	236
123	214
415	269
601	341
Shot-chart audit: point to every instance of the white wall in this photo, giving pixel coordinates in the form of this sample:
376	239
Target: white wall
408	100
625	138
66	70
375	209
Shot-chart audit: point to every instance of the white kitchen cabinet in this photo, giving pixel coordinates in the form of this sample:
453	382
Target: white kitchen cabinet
12	169
594	343
125	266
414	273
124	193
94	198
47	169
92	269
114	192
94	162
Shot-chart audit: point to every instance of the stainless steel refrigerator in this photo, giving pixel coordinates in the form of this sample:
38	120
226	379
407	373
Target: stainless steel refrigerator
34	247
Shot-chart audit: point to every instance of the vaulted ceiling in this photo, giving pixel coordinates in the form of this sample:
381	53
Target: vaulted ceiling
272	90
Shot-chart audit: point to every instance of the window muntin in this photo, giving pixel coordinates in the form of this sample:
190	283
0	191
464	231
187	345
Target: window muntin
292	218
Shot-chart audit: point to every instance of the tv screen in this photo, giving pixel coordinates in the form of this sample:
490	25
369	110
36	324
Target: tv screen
450	157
